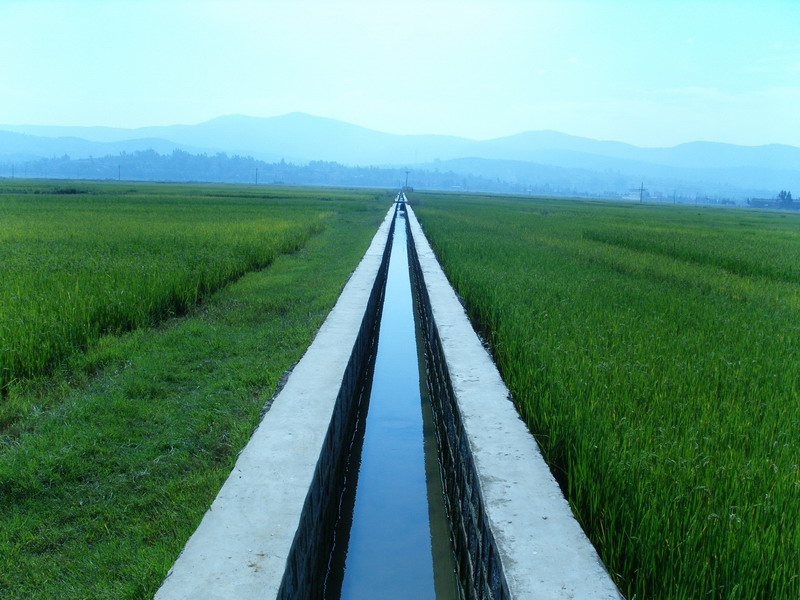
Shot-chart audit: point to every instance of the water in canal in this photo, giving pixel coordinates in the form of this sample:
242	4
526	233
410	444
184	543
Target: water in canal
393	540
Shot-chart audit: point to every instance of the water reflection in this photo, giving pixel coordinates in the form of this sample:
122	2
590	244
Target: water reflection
388	552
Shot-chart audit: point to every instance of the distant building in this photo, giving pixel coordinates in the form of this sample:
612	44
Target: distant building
764	203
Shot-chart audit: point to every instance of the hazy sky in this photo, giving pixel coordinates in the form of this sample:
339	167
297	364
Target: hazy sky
652	73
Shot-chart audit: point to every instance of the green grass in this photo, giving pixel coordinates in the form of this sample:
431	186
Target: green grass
653	351
113	457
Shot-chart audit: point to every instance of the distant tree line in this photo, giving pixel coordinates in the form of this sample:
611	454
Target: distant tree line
458	175
149	165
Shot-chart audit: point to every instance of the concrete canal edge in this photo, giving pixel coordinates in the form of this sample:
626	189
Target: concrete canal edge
267	533
520	538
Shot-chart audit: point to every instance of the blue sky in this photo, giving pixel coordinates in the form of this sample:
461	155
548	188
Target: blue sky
651	73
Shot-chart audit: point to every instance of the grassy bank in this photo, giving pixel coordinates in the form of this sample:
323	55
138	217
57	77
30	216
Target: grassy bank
653	352
112	458
79	262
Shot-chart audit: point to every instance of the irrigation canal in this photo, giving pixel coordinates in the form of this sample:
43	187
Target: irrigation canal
393	538
270	530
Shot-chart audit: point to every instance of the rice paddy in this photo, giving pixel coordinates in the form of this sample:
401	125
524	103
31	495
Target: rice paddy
653	351
80	263
110	454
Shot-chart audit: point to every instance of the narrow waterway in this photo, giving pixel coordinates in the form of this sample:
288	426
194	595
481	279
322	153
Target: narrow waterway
393	540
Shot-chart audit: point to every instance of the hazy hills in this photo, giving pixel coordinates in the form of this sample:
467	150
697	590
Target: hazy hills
536	158
21	147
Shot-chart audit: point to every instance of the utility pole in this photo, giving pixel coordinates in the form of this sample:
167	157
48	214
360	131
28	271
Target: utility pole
256	175
642	190
407	172
12	170
119	172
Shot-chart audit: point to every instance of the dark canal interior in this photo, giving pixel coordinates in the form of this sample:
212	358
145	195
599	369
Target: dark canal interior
392	539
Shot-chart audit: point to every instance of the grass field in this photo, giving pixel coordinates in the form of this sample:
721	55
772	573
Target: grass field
653	351
115	444
75	266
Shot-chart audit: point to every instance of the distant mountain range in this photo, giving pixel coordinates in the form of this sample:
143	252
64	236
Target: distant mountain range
532	159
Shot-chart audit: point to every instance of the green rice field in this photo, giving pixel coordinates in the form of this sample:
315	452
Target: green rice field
654	351
76	266
143	329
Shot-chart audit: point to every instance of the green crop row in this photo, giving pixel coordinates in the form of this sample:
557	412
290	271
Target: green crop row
653	351
79	263
765	253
